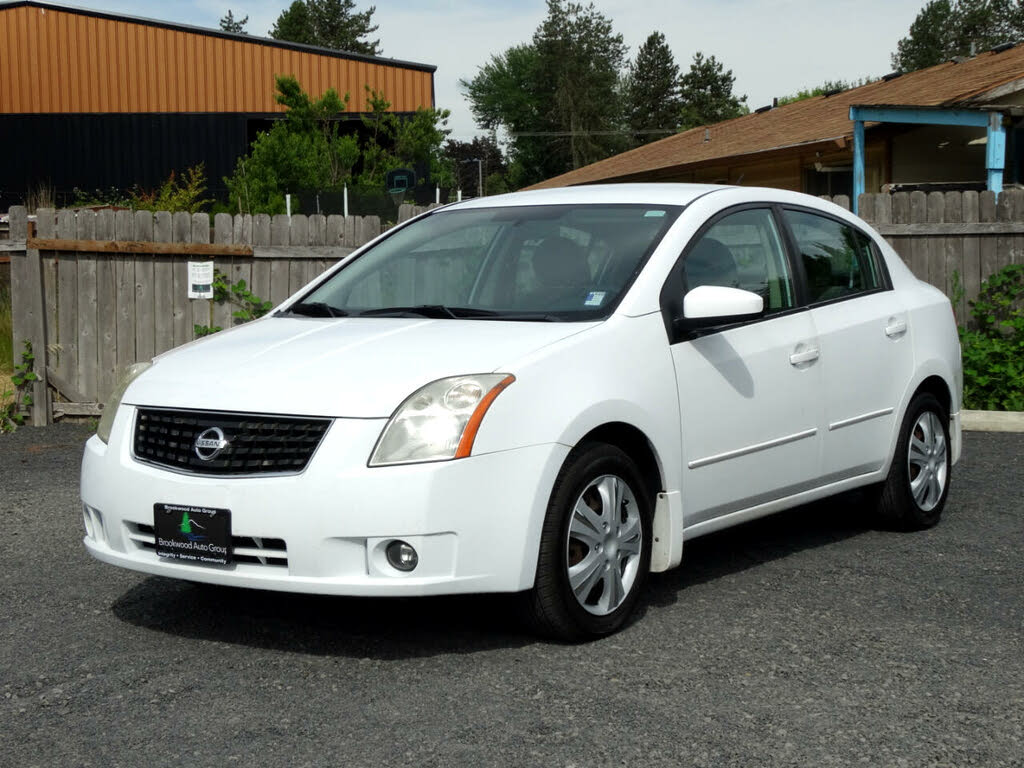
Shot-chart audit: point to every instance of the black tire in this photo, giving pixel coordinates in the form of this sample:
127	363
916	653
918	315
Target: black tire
552	606
920	454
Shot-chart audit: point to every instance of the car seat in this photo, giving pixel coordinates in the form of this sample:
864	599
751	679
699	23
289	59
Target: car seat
711	263
562	274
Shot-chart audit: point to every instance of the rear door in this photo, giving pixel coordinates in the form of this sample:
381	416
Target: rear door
864	333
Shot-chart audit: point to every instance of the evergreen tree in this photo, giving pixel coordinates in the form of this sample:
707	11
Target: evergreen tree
706	94
295	24
230	24
651	91
329	24
947	28
558	95
492	168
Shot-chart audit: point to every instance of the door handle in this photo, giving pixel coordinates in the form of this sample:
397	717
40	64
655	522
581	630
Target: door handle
895	328
808	355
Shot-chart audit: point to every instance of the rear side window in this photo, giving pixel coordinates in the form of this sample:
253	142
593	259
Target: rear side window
743	250
837	258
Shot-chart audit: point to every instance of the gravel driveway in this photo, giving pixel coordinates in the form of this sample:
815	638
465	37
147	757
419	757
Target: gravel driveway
807	639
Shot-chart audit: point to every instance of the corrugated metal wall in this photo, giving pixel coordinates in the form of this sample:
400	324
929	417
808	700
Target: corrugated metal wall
54	60
61	152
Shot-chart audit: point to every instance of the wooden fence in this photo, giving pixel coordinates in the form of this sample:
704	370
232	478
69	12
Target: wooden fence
953	240
95	291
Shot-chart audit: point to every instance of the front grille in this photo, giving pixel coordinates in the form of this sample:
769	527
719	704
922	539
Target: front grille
255	550
256	444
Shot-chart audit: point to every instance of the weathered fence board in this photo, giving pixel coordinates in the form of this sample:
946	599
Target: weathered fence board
97	291
955	241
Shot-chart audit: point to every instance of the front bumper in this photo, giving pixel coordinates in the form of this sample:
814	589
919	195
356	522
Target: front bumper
474	522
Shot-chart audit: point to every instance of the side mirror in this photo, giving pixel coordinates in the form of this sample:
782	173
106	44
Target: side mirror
714	305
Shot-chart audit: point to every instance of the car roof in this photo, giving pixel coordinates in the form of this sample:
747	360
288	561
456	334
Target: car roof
644	194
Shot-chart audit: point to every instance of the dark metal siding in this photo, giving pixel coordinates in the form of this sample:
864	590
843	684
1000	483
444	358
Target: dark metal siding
101	151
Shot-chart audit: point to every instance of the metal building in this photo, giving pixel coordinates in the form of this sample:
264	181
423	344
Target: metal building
97	100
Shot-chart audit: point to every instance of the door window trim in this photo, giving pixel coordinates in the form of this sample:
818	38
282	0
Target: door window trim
796	262
672	303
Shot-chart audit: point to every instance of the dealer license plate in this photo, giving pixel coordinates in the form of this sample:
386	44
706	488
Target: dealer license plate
200	535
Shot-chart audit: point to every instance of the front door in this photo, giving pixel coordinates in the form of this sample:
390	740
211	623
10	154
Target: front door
749	393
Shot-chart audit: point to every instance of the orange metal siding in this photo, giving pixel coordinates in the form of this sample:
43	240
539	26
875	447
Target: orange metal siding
59	61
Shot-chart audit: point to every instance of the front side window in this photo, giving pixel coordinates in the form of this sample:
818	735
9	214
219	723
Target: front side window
837	258
743	250
557	262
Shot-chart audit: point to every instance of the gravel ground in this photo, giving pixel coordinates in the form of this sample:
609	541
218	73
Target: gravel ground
807	639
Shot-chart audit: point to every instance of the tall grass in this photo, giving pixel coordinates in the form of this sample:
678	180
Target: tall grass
6	340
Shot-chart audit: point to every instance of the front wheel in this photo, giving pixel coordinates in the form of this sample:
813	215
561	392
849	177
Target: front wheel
915	491
595	547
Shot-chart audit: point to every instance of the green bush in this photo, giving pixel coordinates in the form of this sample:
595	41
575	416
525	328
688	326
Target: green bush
175	194
993	351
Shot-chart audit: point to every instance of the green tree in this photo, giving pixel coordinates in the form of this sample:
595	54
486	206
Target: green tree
304	151
230	24
492	166
329	24
947	28
558	95
651	90
828	86
706	94
404	142
295	24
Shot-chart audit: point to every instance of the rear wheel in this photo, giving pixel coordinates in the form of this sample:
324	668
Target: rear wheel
595	546
914	493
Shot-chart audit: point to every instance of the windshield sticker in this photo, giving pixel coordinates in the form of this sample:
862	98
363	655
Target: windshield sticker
653	214
594	299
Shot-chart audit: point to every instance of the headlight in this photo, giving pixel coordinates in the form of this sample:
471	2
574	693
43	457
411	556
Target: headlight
438	421
110	407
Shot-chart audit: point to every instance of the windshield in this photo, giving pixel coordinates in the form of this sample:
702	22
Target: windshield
552	262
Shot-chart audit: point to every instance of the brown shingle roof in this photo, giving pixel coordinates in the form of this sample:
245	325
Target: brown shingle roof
809	121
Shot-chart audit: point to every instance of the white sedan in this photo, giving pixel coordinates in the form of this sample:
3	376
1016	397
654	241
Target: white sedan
546	393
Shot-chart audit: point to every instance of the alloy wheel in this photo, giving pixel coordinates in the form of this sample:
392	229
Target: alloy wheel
604	545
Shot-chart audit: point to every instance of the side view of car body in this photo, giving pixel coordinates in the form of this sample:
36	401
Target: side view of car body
547	393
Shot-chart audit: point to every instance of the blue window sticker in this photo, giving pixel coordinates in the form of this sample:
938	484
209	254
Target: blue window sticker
594	299
653	214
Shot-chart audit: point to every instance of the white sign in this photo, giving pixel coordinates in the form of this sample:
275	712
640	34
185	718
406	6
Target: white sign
200	279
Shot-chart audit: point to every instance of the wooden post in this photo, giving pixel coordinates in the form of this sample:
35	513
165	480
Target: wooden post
33	312
223	234
66	332
165	299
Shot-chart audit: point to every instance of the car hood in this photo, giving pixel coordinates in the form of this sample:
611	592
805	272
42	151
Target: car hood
354	367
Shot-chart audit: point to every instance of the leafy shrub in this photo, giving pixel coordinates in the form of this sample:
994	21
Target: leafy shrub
177	193
993	351
184	194
16	404
250	306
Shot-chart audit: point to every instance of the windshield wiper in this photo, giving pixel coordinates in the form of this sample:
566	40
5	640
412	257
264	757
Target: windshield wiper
434	311
442	311
314	309
541	317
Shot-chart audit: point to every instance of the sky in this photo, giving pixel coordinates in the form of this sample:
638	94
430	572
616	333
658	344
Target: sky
773	47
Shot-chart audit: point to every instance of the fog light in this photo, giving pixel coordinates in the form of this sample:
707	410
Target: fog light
402	556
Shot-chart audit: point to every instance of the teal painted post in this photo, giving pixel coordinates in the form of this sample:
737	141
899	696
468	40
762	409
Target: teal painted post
858	164
995	152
